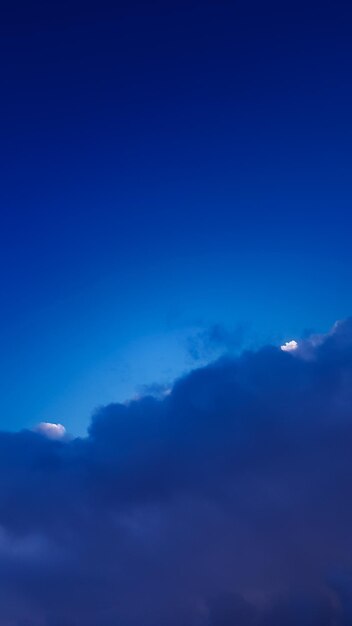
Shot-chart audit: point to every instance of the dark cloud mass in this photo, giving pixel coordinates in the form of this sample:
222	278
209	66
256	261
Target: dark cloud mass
225	503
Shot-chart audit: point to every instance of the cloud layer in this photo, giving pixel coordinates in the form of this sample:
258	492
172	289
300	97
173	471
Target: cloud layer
225	503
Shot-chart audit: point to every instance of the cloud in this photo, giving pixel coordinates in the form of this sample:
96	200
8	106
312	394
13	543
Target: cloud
214	341
295	609
226	502
289	346
52	431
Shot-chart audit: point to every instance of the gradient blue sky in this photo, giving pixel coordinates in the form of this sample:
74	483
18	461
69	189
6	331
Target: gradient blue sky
165	166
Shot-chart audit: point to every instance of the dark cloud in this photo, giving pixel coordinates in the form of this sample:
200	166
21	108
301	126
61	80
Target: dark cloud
226	502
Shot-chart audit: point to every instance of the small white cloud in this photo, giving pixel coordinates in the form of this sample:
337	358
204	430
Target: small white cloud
52	431
289	346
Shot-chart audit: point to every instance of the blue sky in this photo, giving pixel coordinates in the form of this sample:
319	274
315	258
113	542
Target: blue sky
165	167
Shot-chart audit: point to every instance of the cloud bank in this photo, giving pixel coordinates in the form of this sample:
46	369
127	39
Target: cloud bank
225	503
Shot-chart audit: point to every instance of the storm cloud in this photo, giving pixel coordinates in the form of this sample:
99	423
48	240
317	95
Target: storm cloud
225	503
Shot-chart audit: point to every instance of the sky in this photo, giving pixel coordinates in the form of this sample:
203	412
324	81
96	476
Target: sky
175	307
166	167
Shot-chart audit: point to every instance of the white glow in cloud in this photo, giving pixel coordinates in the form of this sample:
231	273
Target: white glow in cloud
52	431
289	346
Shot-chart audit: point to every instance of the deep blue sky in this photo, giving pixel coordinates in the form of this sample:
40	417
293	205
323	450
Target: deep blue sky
164	167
